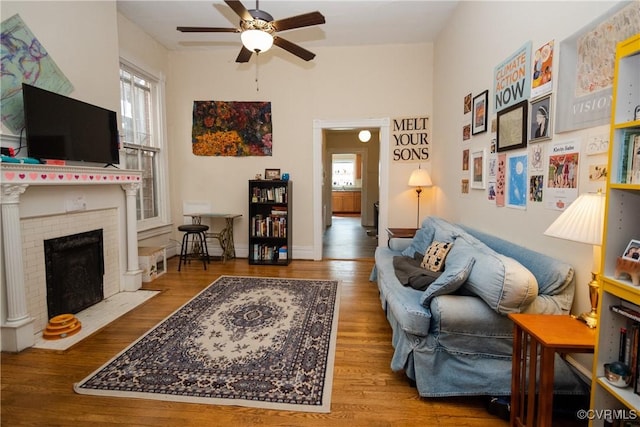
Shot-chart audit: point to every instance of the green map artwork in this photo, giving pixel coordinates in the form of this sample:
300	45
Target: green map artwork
24	60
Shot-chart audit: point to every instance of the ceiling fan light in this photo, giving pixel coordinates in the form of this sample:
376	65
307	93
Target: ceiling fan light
256	40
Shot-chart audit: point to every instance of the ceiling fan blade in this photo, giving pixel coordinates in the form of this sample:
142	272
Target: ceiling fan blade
244	55
207	30
293	48
239	9
298	21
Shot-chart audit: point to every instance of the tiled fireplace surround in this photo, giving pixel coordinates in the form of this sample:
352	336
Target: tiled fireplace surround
42	202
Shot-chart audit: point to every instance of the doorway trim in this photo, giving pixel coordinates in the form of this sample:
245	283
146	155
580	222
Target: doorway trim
383	176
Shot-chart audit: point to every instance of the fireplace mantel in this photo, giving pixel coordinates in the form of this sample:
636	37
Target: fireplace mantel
32	174
15	178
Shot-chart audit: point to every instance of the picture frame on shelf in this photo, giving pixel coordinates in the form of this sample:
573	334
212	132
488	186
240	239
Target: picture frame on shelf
512	127
272	174
540	119
479	119
478	173
632	251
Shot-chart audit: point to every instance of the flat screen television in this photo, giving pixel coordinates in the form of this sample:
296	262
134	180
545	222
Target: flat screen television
61	128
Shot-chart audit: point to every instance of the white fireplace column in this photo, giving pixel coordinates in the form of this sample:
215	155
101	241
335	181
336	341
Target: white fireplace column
17	325
133	276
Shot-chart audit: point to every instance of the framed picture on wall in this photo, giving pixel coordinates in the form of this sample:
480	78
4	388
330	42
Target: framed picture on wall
479	120
540	119
512	127
478	174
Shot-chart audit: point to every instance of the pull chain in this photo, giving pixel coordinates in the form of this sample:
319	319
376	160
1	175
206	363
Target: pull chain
257	71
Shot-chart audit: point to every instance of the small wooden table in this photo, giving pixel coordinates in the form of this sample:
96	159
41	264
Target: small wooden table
401	232
224	236
551	334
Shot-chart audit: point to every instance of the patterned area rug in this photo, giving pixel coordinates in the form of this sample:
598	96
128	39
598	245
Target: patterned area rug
248	341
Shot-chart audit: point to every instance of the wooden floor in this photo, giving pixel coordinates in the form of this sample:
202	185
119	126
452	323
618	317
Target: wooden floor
346	238
37	384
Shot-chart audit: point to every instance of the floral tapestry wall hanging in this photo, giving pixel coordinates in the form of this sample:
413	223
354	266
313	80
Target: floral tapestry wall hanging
223	128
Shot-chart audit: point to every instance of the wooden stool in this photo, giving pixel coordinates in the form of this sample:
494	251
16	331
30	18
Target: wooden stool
198	243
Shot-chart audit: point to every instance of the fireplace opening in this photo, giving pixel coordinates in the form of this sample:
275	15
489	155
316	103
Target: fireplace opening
75	270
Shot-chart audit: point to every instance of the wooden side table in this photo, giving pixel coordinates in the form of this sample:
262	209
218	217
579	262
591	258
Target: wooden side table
401	232
546	335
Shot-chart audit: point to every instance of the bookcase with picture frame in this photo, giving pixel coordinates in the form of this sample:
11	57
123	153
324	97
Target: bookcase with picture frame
270	220
618	335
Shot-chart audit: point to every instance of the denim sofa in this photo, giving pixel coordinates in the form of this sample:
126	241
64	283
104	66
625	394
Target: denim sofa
454	338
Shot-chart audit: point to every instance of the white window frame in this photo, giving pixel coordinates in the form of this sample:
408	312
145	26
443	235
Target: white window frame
160	224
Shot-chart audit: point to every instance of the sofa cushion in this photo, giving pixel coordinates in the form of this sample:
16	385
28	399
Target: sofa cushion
502	282
456	272
435	256
421	240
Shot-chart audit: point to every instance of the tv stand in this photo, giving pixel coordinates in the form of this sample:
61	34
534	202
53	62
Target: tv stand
112	165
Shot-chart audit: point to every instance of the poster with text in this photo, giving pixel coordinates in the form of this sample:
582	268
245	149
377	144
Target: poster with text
562	175
410	139
512	79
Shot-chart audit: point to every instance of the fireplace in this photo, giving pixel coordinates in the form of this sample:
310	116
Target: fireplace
40	202
74	272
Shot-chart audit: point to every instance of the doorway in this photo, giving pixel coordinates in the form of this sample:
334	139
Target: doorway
349	231
323	185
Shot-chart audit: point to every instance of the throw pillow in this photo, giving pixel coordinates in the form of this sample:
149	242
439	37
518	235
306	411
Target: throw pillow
502	282
434	257
453	277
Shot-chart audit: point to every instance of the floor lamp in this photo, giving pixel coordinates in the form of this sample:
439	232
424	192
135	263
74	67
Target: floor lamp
419	178
582	222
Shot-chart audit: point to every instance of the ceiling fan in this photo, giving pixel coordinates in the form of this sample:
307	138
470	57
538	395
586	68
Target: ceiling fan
258	30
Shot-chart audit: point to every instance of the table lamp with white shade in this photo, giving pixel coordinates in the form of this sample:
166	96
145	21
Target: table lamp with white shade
582	222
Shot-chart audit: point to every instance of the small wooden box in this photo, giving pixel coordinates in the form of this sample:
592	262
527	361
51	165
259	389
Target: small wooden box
152	261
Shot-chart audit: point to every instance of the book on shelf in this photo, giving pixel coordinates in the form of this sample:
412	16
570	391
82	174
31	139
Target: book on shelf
269	194
263	252
629	166
626	311
635	159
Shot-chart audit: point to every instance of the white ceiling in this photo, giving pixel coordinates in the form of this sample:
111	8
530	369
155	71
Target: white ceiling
348	22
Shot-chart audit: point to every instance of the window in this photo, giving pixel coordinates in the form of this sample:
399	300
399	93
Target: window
344	170
142	142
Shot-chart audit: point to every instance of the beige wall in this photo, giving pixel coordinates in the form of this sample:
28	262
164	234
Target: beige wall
82	39
341	83
483	34
480	36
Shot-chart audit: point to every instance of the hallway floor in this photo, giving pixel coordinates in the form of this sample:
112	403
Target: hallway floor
348	239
